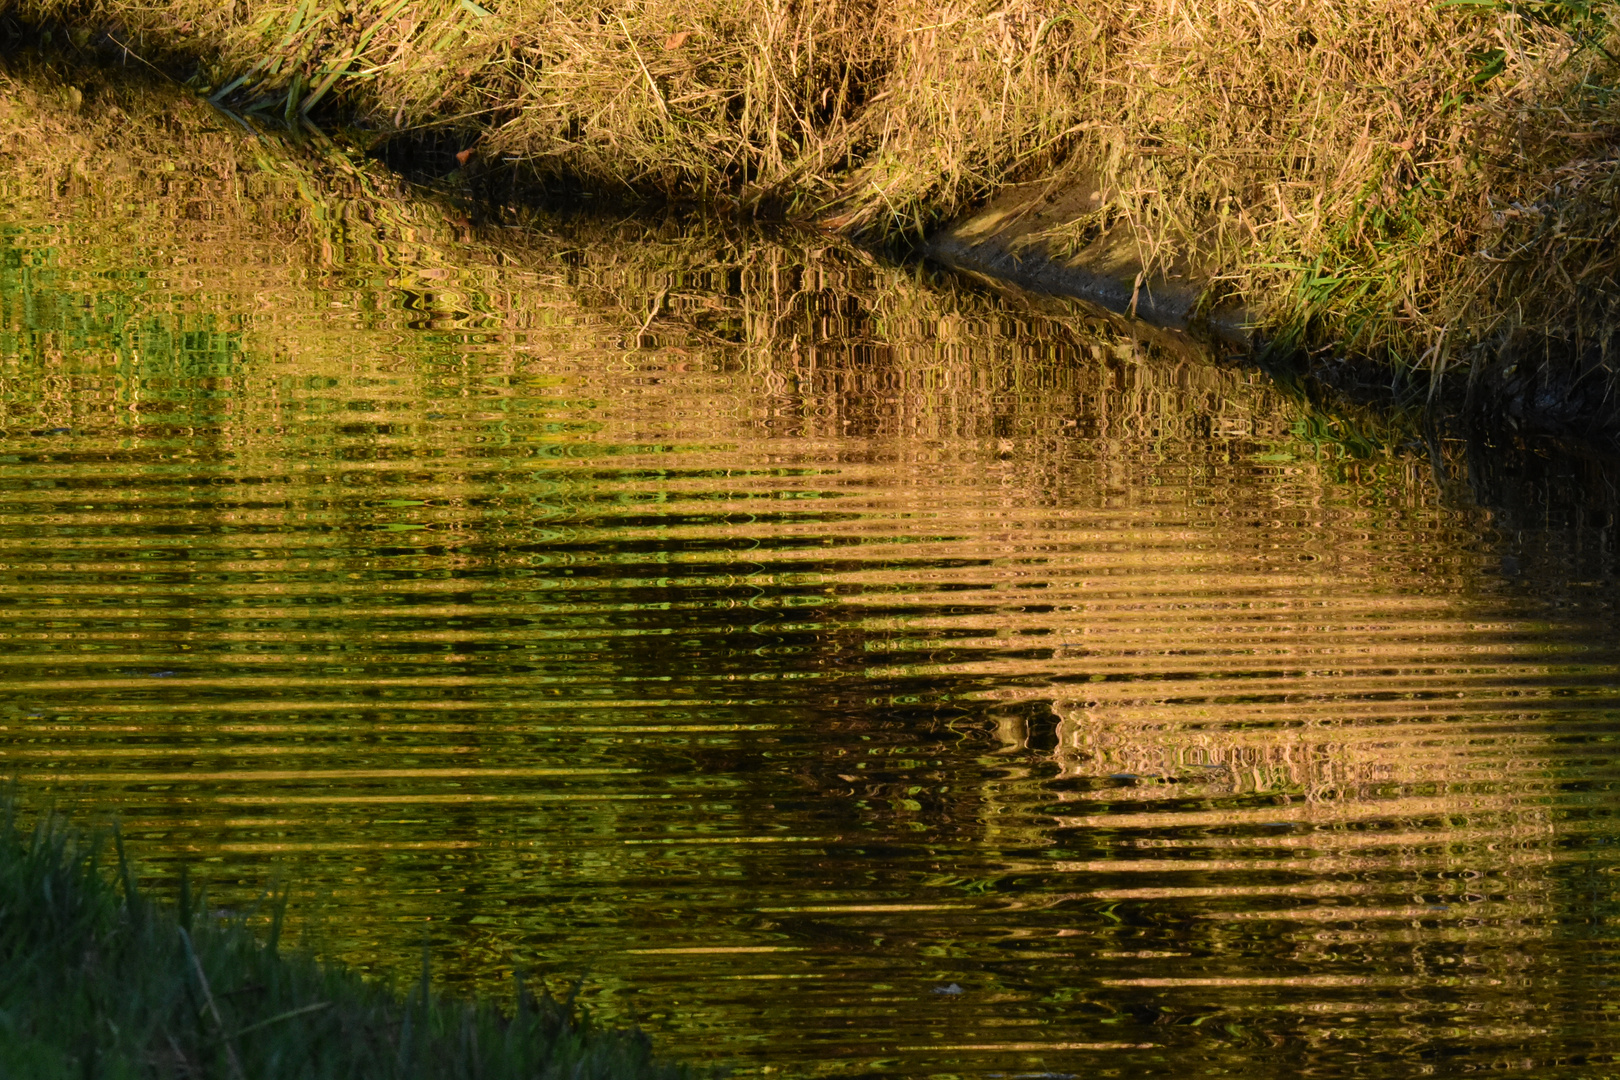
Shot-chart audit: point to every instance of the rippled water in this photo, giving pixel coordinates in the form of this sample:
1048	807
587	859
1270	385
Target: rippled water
840	671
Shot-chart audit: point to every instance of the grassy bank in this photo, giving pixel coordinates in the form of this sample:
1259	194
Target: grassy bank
102	981
1424	186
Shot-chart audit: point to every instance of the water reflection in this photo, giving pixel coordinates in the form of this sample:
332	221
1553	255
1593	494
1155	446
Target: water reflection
846	672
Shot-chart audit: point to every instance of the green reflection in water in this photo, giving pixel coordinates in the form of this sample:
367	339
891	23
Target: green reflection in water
848	672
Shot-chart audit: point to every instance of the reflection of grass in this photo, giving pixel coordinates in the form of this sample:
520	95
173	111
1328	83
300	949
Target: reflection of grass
532	285
1337	434
101	981
814	319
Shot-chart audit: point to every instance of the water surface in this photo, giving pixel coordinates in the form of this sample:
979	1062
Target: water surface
841	671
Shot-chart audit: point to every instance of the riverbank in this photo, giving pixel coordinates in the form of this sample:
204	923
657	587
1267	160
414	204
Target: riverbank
105	981
743	621
1421	193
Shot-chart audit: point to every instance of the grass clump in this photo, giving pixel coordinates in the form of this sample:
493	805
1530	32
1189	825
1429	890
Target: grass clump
100	981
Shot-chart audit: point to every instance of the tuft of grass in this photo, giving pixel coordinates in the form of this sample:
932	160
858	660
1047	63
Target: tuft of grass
99	980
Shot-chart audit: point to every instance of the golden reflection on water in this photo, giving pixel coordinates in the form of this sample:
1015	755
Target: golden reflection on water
839	670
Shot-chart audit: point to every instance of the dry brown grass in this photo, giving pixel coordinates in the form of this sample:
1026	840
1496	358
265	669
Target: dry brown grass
1412	182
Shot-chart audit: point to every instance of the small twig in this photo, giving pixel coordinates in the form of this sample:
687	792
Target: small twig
663	106
131	52
657	306
179	1054
213	1009
446	120
288	1015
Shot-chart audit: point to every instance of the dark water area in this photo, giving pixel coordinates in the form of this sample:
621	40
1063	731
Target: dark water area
840	671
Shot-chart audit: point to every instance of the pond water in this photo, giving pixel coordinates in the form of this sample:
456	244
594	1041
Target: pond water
837	669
